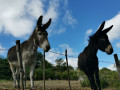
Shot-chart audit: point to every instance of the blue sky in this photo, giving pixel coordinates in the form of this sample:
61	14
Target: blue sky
73	21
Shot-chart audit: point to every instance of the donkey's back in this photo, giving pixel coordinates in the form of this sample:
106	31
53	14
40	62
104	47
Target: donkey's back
12	55
26	53
85	63
39	38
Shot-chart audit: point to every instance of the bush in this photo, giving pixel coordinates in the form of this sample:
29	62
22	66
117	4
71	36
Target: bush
85	83
104	83
5	72
38	74
64	75
73	75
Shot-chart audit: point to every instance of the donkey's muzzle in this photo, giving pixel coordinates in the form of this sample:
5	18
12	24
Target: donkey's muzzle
109	49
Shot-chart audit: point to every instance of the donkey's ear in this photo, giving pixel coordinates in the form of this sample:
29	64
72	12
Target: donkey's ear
101	27
45	26
108	29
39	22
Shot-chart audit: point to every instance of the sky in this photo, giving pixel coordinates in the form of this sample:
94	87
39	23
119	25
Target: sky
73	21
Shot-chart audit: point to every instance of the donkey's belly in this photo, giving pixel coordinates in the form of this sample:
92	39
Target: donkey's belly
29	57
12	55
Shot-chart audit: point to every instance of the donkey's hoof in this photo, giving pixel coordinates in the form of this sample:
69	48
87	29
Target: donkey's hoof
33	88
17	87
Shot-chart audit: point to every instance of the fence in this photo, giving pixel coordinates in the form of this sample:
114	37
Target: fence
116	59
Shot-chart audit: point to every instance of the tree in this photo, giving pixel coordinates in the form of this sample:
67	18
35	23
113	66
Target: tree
49	69
59	62
39	59
5	72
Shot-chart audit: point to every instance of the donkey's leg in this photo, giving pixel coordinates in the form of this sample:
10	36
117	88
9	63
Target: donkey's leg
13	74
32	68
92	81
24	69
17	76
97	78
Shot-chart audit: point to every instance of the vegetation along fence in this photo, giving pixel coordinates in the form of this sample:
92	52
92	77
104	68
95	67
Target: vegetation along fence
61	71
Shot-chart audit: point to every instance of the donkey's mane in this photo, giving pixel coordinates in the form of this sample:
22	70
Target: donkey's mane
32	35
90	37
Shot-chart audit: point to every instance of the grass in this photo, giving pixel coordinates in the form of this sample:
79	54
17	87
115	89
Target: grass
50	85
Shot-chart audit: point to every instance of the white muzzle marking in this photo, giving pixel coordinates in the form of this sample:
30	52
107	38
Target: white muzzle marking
44	45
109	49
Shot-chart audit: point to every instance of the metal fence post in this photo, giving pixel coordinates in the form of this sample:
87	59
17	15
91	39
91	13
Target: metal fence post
68	69
20	62
117	64
44	72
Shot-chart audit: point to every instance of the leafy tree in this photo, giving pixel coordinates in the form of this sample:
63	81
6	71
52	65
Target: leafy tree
49	68
5	72
39	60
61	69
53	72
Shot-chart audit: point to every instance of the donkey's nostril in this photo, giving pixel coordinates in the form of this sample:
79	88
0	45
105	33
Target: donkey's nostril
111	50
47	48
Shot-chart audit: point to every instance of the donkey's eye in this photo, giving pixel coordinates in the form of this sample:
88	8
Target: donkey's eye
44	33
40	34
103	39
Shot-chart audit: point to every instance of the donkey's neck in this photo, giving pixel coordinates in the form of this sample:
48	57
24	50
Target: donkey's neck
30	41
92	49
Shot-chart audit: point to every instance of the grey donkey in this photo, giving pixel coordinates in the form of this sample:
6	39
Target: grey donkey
39	38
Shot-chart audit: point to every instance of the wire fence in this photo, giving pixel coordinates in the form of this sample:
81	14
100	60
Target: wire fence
58	53
62	54
83	80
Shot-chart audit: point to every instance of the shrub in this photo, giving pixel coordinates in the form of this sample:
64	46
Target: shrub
85	83
104	83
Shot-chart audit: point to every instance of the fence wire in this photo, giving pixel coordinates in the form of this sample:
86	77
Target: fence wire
110	79
62	54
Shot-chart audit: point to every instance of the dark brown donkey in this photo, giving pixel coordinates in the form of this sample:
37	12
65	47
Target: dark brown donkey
88	61
29	51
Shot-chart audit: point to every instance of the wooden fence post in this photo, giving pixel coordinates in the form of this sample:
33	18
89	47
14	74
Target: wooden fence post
117	64
68	69
20	62
44	72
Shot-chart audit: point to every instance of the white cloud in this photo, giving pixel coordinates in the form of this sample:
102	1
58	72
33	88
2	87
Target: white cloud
59	31
118	45
69	19
69	49
51	56
54	54
115	31
17	17
112	67
73	62
35	8
2	50
89	32
52	11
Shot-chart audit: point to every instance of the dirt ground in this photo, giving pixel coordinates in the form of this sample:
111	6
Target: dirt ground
49	85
